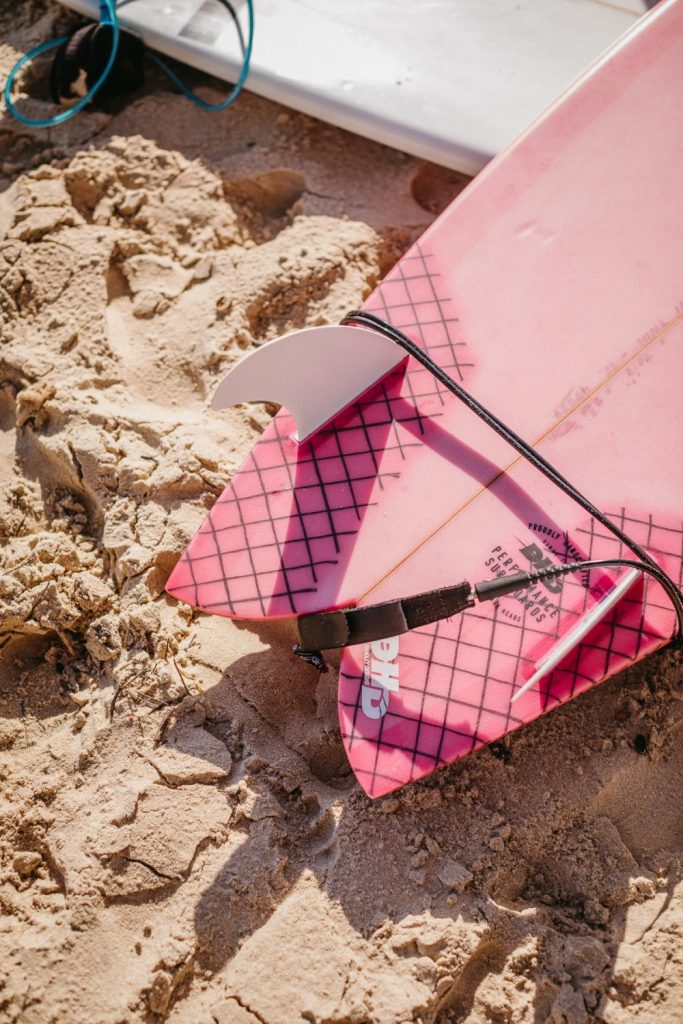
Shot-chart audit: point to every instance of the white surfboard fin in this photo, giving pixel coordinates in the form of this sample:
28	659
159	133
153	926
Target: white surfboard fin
571	640
314	373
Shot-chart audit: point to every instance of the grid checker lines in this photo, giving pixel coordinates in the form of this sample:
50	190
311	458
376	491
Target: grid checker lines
479	669
293	510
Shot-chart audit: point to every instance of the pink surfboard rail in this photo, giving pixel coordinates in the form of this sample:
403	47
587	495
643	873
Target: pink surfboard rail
552	289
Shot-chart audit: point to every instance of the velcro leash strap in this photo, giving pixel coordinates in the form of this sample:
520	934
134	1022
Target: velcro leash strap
324	631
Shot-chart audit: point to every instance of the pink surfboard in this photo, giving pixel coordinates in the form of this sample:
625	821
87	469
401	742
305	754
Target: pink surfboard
552	288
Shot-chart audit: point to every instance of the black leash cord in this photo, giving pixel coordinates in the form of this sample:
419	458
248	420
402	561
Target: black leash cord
364	319
338	629
489	590
326	631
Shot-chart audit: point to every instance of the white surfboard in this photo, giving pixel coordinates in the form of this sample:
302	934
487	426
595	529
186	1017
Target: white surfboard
453	81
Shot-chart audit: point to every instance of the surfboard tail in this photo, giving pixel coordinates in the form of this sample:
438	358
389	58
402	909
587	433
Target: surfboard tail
552	290
431	696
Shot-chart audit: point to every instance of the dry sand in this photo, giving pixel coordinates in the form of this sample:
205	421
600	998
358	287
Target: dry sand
180	837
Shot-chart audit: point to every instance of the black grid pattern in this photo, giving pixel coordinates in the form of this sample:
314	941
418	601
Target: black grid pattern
464	671
291	510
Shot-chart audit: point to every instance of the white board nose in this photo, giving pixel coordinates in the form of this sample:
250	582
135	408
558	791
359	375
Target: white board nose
314	373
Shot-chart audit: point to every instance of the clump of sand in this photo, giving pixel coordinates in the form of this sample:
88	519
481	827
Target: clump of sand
180	837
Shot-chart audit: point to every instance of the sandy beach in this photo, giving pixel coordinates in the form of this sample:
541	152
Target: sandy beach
181	838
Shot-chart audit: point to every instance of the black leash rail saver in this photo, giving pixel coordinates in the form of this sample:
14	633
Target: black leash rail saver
320	631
